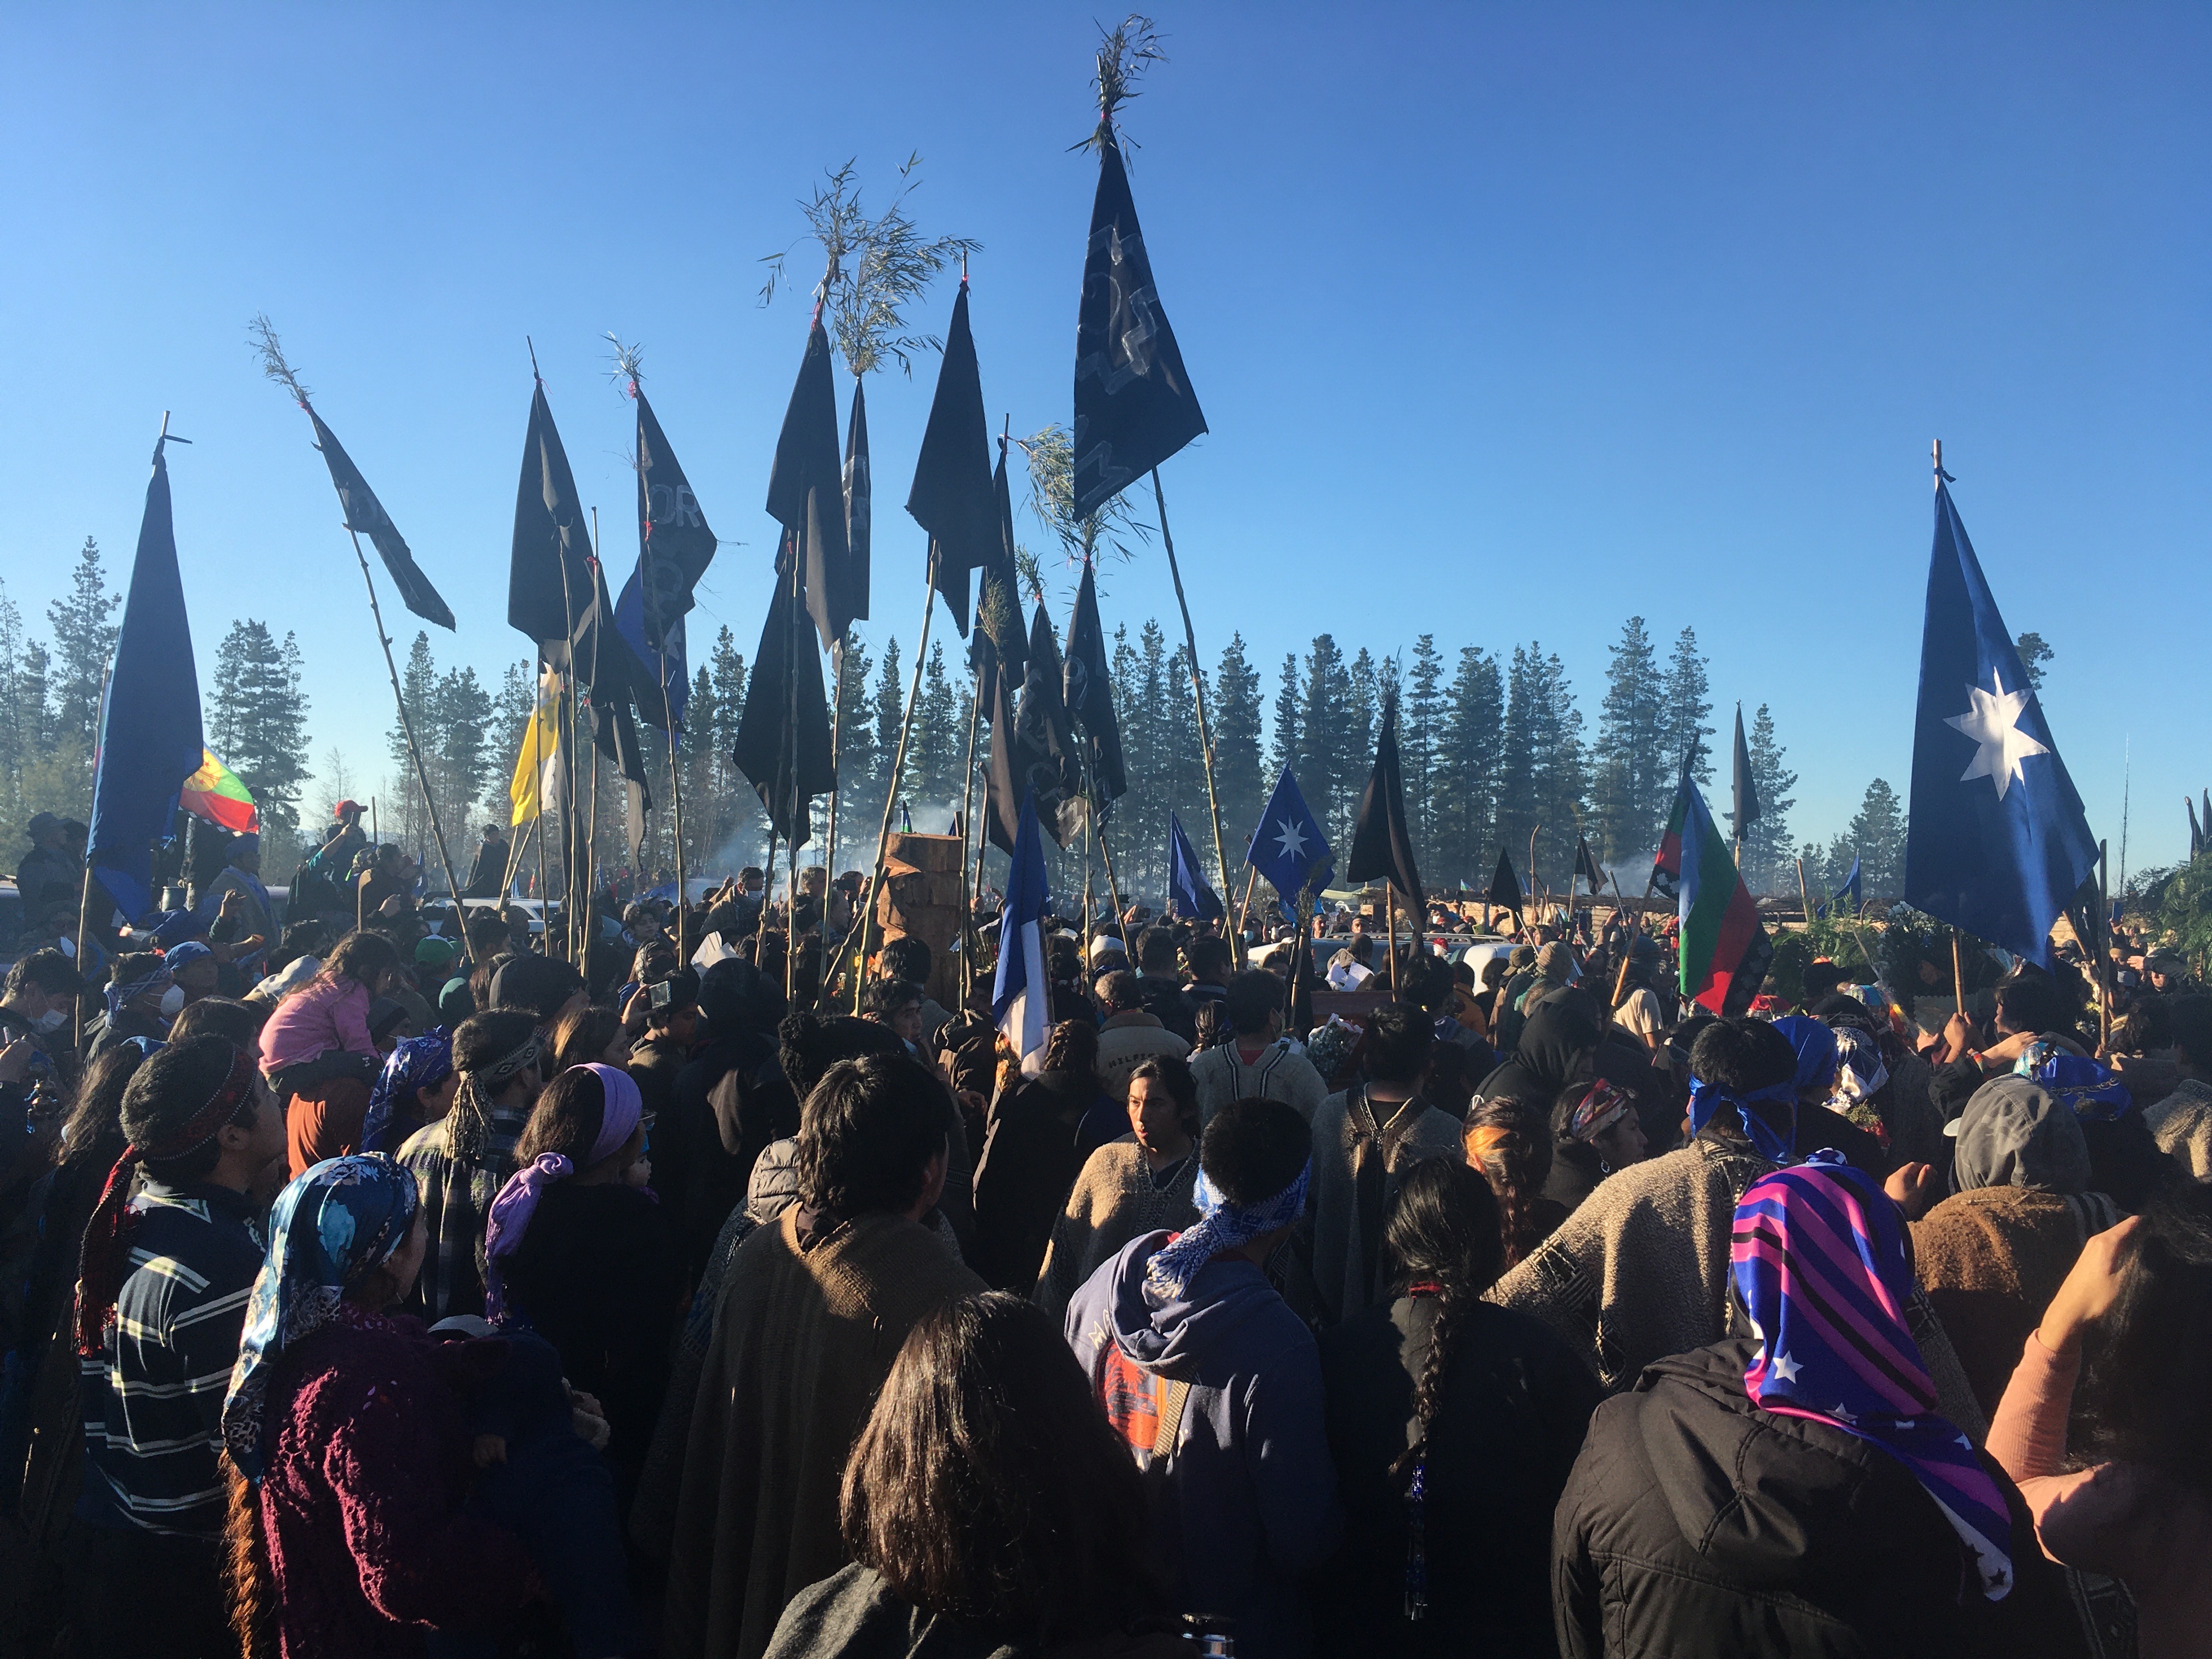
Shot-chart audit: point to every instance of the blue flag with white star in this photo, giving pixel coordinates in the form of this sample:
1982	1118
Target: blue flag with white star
1997	842
1288	847
1189	895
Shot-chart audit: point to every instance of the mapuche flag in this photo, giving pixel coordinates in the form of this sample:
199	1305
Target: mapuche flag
365	515
214	794
1997	842
1382	843
149	719
1033	752
782	744
1089	692
806	495
951	497
549	578
1134	403
1724	952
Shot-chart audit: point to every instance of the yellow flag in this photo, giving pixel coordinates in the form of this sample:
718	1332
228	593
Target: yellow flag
538	770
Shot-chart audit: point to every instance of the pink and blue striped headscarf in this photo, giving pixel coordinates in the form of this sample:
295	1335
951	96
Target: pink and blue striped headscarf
1822	1260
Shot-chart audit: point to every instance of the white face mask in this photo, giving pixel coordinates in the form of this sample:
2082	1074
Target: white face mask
172	1002
49	1020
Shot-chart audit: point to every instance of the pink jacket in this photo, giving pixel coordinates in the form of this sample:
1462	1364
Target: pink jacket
2125	1520
322	1015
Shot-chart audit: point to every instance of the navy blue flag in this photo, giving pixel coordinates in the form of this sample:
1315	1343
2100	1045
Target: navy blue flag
1997	842
1851	890
149	720
1188	894
1288	847
667	660
1021	992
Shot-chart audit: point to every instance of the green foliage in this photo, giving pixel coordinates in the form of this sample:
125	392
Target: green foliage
1687	706
2183	912
1766	857
256	717
1634	781
2034	651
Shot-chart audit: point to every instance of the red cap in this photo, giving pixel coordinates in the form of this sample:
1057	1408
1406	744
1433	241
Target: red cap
344	807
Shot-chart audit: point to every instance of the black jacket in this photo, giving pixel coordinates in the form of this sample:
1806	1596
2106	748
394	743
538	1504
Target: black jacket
1513	1409
1696	1523
1031	1156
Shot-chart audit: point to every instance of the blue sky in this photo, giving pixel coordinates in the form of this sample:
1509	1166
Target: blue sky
1508	321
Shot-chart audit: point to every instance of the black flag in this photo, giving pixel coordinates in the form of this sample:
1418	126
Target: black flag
1382	844
1033	752
1134	403
674	544
1747	789
787	766
1586	866
858	502
998	596
364	514
550	568
2196	831
1505	886
806	493
951	496
1089	690
2207	812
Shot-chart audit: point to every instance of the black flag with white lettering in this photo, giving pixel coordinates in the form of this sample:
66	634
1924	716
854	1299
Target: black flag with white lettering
860	504
999	595
1033	752
1134	403
364	514
952	496
674	544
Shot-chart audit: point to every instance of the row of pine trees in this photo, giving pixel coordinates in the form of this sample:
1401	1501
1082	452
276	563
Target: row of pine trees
1496	749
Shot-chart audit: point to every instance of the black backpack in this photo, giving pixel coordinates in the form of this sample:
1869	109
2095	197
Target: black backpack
313	892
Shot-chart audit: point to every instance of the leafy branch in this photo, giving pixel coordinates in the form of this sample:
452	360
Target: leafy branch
1125	52
1051	457
874	268
262	339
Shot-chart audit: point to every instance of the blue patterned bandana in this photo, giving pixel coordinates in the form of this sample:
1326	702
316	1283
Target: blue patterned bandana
1221	1226
335	1223
422	1062
1769	1116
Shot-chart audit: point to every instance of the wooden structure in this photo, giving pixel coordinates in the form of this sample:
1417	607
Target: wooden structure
920	898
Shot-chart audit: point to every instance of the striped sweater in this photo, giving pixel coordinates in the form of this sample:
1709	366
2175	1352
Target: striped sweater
153	1398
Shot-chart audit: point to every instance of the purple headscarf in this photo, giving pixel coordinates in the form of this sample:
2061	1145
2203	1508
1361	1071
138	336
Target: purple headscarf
622	1111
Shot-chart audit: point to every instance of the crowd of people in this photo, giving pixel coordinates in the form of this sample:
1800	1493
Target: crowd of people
376	1280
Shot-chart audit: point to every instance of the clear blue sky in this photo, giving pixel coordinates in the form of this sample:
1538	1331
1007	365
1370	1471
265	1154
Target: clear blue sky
1508	321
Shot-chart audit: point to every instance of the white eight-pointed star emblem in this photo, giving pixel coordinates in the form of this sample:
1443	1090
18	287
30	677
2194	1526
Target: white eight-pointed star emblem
1993	722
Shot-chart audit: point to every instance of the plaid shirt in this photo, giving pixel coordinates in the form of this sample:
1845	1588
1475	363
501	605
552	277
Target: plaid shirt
456	1204
153	1398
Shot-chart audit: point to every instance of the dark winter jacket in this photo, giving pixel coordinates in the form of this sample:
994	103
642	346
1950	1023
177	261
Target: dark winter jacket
1514	1402
1696	1523
1031	1156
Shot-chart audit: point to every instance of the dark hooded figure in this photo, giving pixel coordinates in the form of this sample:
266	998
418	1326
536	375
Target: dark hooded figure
1796	1488
1567	1040
1992	1255
729	1102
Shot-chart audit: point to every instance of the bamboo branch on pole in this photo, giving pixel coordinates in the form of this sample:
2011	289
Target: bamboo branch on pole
1198	697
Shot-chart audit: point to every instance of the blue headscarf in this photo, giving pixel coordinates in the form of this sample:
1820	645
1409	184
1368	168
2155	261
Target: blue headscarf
1824	1266
334	1224
422	1062
1815	1043
1769	1114
1221	1226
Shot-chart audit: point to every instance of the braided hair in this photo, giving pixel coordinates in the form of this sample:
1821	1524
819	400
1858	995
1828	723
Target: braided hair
1444	1240
1511	1145
482	1041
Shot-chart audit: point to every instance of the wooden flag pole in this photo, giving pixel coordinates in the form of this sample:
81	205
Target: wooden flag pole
1198	696
83	922
768	887
1628	954
1958	974
1244	910
967	837
800	805
2104	929
836	738
892	786
1390	924
1804	897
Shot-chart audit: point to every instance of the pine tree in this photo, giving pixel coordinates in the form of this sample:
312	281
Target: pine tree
934	763
859	802
1470	755
1233	704
256	720
1283	748
84	640
1766	843
706	811
2034	651
461	713
741	825
512	707
1418	730
1877	832
1364	708
1635	776
890	714
1689	706
1323	763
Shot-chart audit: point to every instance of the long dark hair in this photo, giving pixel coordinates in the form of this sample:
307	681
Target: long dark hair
1443	1230
360	957
2146	1392
1511	1146
986	1485
95	1126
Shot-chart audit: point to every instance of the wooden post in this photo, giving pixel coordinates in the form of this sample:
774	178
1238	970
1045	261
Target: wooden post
2103	931
83	923
1628	954
1390	922
966	838
1198	697
1958	974
1804	897
767	889
1244	910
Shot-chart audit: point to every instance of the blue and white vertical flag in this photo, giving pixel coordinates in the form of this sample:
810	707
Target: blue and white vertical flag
1288	847
150	725
1189	895
1020	997
1998	843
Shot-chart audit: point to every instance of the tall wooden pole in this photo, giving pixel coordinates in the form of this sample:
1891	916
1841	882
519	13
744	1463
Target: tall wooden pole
1804	897
1198	697
2097	961
1628	950
1390	915
892	786
966	838
1958	974
1244	910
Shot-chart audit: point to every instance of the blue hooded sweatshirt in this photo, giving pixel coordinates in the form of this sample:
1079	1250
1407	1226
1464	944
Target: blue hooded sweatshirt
1246	1505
